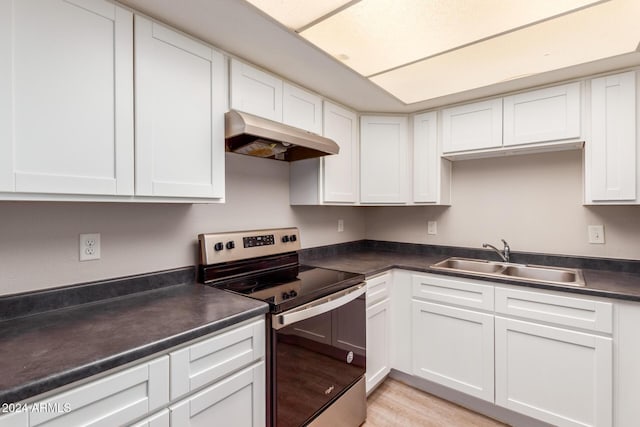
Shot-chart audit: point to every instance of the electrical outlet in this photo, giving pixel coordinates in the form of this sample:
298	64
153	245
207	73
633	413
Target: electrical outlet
432	227
89	246
596	234
340	226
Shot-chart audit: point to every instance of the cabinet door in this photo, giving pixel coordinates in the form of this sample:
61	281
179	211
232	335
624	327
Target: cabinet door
454	347
384	159
340	172
378	343
255	92
236	401
544	115
431	173
66	97
472	127
552	374
211	359
180	103
612	156
301	109
114	400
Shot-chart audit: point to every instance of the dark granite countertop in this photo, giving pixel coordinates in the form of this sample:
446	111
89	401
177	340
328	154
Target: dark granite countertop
371	261
47	350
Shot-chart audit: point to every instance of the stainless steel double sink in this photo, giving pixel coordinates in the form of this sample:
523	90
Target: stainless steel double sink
506	270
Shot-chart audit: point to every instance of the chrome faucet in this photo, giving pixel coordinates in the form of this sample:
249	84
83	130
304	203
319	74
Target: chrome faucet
505	253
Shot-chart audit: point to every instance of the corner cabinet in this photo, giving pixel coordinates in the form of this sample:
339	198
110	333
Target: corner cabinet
180	103
378	330
612	155
66	122
330	179
384	159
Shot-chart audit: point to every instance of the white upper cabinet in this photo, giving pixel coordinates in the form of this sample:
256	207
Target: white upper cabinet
301	109
612	155
544	115
66	97
330	179
384	162
431	173
255	92
472	126
340	172
180	104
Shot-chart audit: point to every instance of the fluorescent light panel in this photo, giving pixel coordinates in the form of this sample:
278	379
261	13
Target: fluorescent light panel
373	36
296	14
591	34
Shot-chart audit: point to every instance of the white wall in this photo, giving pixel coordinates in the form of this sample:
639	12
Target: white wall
39	240
532	201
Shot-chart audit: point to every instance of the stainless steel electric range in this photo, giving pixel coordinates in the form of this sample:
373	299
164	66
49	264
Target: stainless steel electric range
316	327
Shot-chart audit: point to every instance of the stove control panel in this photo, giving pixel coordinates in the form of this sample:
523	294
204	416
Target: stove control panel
224	247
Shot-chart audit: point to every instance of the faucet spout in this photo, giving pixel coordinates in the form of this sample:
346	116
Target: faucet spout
505	253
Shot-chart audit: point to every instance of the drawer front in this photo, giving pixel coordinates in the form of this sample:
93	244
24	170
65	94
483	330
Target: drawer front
565	311
114	400
461	292
161	419
378	289
206	361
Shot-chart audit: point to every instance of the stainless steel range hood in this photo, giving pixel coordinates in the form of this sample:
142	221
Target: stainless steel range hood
256	136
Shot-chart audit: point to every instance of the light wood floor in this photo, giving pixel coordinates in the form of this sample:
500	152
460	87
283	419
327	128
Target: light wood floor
396	404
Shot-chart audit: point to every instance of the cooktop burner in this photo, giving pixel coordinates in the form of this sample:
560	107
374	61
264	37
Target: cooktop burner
288	287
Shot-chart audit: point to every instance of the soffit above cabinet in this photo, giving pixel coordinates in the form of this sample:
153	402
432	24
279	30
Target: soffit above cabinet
479	49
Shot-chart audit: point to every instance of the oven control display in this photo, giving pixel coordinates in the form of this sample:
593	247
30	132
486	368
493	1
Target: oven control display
253	241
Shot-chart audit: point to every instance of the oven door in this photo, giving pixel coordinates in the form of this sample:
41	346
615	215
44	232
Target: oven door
319	352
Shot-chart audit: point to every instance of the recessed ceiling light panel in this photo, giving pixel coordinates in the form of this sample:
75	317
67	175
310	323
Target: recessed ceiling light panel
296	14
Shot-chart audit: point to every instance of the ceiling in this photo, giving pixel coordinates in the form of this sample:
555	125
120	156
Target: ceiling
412	55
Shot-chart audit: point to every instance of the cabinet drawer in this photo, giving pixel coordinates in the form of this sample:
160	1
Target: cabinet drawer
461	292
561	310
378	289
161	419
114	400
204	362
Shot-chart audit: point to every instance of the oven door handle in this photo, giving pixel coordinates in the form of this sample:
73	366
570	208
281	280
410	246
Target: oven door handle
314	308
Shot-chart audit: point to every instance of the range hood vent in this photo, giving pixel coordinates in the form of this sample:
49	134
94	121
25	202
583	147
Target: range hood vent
256	136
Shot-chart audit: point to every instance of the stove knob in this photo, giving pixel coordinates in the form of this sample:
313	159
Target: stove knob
293	238
285	295
218	246
285	239
231	244
293	294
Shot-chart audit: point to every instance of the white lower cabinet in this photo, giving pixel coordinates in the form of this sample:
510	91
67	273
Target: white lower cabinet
452	338
454	347
224	379
236	401
557	375
378	330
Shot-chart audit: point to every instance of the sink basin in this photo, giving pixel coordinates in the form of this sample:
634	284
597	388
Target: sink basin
545	274
528	273
478	266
